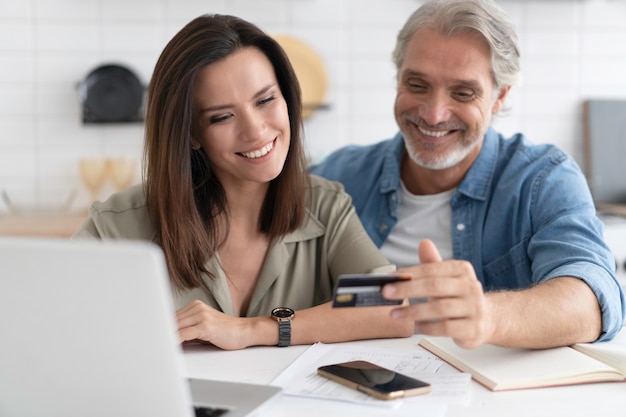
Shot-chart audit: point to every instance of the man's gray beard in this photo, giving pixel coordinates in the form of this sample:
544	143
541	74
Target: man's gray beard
440	162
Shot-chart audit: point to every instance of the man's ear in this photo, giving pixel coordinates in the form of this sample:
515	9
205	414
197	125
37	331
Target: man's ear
497	105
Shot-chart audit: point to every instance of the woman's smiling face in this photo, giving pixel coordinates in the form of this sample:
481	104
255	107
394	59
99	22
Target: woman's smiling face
241	120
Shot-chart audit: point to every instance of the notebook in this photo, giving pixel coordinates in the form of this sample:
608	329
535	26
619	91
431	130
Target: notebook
88	328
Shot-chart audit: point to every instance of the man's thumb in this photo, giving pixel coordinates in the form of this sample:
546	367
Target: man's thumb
428	252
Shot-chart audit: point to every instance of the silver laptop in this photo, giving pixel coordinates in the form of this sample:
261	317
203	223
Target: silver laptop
88	328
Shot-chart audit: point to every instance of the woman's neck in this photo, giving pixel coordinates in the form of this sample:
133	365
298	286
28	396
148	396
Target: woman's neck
243	251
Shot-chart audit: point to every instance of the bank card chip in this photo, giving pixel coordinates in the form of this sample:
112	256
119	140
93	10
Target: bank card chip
364	290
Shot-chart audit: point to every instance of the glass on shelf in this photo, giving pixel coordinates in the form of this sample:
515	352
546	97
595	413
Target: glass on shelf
121	172
93	172
96	172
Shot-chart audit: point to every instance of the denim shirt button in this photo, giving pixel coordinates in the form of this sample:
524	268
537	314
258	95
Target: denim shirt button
460	227
382	227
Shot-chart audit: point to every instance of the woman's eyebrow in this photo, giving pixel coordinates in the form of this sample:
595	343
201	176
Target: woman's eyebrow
220	107
264	90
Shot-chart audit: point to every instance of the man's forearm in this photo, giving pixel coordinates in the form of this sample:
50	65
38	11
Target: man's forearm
558	312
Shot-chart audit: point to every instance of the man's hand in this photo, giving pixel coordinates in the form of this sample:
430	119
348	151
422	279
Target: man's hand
456	305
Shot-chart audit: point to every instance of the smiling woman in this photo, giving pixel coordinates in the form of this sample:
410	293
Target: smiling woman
243	122
244	227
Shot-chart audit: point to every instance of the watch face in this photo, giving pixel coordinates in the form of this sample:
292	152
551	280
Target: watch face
282	312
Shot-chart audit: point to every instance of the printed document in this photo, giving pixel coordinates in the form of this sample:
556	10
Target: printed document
301	379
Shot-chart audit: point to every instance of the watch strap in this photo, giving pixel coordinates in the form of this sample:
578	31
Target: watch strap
284	332
283	316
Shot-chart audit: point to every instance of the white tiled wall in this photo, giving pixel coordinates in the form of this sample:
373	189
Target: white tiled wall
615	236
572	50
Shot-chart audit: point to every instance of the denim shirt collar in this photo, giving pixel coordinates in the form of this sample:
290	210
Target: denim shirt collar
390	178
477	181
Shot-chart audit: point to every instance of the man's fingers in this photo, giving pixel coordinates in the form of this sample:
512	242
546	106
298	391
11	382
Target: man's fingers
435	309
428	252
425	286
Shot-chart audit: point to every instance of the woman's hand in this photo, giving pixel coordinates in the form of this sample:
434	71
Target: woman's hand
198	321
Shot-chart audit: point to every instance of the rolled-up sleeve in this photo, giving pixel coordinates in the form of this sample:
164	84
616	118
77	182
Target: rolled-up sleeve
568	241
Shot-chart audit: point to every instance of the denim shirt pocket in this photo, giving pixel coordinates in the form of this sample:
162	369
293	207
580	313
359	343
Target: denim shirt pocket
511	270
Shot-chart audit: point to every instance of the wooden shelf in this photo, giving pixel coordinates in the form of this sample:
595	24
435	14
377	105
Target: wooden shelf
64	225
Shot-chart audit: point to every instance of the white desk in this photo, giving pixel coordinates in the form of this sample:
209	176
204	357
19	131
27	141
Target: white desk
263	364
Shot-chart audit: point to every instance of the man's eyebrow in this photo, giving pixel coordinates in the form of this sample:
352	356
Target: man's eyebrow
461	82
411	73
469	83
219	107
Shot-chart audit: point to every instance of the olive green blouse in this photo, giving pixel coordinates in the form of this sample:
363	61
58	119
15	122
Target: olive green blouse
300	269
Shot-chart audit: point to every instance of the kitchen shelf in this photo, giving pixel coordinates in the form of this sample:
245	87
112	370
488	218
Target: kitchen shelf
64	225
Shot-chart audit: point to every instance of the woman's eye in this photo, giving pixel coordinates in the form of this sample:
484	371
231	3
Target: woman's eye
267	99
218	119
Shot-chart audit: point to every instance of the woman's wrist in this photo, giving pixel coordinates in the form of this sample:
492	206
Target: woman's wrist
262	331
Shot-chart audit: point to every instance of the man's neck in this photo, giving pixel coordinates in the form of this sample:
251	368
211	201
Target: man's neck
424	181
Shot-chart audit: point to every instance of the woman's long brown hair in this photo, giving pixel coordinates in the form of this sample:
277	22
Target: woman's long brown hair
185	200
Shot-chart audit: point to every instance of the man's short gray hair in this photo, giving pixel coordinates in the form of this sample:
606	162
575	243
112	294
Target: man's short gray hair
458	17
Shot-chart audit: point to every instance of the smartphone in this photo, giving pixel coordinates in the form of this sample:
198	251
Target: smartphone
374	380
363	290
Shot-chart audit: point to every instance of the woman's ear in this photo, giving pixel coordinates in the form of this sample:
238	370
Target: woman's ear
195	145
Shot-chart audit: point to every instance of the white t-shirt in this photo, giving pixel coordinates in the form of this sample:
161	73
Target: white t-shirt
419	217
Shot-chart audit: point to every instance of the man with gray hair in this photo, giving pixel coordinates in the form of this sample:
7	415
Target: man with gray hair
500	235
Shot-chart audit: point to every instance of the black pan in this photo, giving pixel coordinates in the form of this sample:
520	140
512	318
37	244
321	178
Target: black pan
112	94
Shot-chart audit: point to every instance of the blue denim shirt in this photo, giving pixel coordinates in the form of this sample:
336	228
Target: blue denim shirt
522	215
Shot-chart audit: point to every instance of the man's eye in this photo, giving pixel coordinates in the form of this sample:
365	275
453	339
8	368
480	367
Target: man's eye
414	85
464	96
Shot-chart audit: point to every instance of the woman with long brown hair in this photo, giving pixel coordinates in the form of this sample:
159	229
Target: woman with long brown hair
226	194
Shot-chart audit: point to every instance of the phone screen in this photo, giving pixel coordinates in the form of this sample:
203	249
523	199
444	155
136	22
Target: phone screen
375	380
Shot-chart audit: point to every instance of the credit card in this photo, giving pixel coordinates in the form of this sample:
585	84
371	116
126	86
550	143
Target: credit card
363	290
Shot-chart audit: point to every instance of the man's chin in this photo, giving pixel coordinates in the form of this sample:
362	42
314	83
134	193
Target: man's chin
438	162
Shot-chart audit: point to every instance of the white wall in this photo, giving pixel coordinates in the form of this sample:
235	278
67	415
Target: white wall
572	50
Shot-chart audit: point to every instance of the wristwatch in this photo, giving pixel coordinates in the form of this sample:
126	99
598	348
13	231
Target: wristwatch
283	315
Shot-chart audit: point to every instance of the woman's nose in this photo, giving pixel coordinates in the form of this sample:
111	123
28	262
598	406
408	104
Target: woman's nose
253	126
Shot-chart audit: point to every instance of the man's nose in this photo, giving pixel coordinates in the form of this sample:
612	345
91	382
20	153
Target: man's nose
435	109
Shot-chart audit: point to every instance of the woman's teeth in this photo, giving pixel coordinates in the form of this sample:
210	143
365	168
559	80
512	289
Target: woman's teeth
259	153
